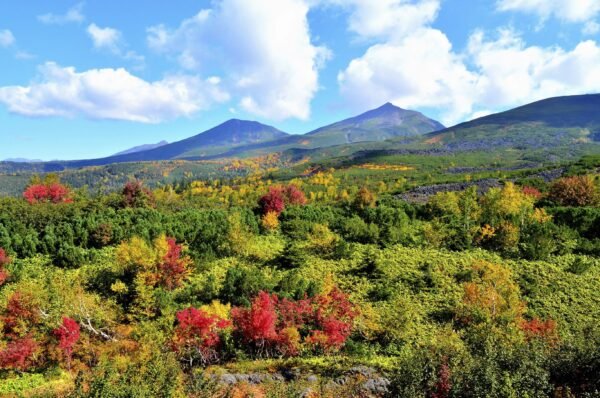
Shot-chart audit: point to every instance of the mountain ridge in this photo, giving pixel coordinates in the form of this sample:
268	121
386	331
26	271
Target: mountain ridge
141	148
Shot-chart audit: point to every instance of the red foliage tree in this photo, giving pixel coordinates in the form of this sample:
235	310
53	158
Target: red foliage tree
294	196
574	191
47	193
273	201
443	384
279	197
257	324
334	318
4	260
136	195
174	268
67	334
276	326
536	328
197	335
18	354
533	192
19	316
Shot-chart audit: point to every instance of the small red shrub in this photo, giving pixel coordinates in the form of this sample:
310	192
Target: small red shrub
51	193
531	191
4	260
19	315
174	268
279	197
536	328
294	196
18	354
67	334
197	335
443	384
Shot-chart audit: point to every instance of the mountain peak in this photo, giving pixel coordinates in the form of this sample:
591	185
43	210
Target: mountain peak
379	124
389	105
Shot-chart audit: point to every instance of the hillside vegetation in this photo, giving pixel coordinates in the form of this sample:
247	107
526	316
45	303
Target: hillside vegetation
324	285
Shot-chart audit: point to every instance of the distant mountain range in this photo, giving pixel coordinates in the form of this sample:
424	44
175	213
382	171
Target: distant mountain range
22	160
141	148
243	137
551	123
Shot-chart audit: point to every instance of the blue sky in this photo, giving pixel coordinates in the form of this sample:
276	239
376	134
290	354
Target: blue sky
87	79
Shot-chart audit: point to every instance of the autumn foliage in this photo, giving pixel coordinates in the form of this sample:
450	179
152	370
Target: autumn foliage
197	335
4	260
174	268
47	193
574	191
136	195
531	191
275	326
19	316
536	328
279	197
18	354
18	320
67	334
443	386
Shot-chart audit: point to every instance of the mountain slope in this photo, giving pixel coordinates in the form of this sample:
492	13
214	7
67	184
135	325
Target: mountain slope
375	125
378	124
141	148
216	140
543	124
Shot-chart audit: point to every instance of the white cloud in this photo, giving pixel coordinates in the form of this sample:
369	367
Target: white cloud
24	55
111	40
511	73
567	10
7	39
264	47
104	38
421	70
388	18
110	94
73	14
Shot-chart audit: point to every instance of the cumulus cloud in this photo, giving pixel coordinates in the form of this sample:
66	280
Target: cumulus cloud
263	46
388	18
567	10
73	14
420	69
511	73
104	38
110	94
111	40
7	39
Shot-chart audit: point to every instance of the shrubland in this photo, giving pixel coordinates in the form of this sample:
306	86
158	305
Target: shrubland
162	292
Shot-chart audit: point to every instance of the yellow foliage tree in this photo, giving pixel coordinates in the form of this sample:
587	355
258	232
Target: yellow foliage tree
270	221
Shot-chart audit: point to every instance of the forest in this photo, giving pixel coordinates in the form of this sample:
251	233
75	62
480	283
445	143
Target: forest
308	286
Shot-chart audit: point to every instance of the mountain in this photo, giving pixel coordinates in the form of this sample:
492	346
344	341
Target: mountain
376	125
379	124
248	138
22	160
141	148
552	122
219	139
